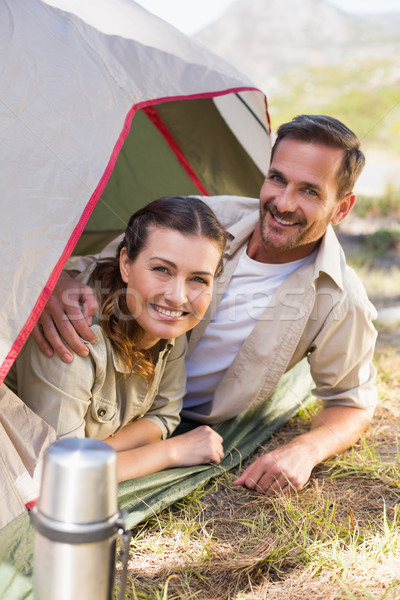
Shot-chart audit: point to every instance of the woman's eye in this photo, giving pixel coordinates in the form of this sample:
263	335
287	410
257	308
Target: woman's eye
198	279
160	269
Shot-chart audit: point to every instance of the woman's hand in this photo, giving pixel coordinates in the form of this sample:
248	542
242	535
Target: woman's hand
196	447
66	317
200	446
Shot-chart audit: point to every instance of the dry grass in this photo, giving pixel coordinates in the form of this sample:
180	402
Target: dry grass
337	539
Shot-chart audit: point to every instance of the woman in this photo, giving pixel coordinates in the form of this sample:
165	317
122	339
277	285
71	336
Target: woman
128	390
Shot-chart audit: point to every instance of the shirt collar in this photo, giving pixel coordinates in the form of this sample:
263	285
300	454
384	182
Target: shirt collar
161	347
239	233
329	258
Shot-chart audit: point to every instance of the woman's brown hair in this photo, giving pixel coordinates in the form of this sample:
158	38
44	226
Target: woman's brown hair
186	214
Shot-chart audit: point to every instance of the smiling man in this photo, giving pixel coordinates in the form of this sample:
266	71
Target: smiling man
286	295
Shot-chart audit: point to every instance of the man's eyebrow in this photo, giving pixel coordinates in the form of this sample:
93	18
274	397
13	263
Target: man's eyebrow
173	265
273	171
314	186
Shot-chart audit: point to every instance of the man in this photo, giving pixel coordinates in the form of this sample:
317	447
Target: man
286	294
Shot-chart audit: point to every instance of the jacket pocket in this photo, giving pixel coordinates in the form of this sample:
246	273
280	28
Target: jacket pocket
103	410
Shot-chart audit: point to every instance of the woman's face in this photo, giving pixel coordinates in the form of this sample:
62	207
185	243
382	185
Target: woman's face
170	283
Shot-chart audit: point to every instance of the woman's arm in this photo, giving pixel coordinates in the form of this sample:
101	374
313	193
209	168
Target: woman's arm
200	446
59	393
135	434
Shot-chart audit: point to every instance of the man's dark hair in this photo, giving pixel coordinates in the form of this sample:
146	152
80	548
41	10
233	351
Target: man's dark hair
320	129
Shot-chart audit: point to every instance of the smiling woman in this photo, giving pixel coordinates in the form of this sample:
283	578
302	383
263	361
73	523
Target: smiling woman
128	389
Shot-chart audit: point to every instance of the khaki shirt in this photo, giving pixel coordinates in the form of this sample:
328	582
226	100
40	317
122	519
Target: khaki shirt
92	396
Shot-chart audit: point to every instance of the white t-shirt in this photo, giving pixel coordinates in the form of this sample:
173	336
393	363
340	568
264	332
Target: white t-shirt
250	290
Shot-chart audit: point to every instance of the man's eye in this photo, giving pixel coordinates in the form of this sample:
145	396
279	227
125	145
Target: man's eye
277	179
310	192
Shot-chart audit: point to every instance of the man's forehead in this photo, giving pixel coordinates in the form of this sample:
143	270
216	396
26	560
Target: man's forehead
295	155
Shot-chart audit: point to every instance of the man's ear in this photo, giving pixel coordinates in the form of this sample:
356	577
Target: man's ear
124	265
343	209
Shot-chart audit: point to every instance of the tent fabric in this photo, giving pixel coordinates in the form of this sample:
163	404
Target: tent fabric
75	75
144	497
104	107
171	139
24	438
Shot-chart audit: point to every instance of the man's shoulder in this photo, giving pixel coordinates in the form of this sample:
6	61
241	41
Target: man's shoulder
337	276
231	209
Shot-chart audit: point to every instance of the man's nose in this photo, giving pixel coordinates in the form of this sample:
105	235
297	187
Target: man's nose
287	200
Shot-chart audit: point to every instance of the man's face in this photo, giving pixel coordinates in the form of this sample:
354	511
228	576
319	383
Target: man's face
298	199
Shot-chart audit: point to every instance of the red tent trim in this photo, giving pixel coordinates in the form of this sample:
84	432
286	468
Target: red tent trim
77	232
155	117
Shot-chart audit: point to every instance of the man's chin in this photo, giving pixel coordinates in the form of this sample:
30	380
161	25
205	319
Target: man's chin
276	242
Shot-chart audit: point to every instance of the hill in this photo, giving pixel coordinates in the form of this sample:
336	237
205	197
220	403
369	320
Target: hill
310	57
266	39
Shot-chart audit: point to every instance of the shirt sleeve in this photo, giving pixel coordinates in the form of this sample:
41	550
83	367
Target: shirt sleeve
59	393
341	358
80	263
165	410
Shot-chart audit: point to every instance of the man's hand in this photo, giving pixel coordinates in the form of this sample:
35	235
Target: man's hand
67	315
289	467
284	469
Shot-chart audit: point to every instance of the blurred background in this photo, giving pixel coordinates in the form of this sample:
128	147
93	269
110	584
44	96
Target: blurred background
336	57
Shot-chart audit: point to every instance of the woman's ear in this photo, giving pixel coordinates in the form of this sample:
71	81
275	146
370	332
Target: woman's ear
345	206
124	265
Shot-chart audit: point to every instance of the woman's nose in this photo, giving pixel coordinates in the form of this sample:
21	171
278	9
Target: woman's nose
177	292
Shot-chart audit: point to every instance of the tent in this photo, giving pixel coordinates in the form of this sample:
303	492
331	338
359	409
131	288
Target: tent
104	107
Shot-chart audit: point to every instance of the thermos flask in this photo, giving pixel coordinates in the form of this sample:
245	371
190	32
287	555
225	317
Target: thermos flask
76	522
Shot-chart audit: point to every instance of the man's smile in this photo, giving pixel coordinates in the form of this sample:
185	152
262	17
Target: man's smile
281	218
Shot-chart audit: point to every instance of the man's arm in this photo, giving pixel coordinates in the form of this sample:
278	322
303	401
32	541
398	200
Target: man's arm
342	367
67	316
289	467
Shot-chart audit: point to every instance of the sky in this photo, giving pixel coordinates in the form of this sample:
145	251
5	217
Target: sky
192	15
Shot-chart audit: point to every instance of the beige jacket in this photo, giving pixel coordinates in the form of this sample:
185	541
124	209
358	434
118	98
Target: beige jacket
321	311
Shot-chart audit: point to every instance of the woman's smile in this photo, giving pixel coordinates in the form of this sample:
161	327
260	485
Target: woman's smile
168	312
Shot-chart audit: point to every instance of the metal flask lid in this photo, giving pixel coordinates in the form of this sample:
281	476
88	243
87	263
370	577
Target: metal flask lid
78	499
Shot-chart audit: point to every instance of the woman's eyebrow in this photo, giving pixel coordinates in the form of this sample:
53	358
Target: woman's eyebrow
169	262
174	266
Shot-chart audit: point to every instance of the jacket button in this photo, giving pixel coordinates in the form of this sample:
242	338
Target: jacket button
101	412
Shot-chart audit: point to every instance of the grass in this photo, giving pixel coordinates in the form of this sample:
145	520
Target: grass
337	539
